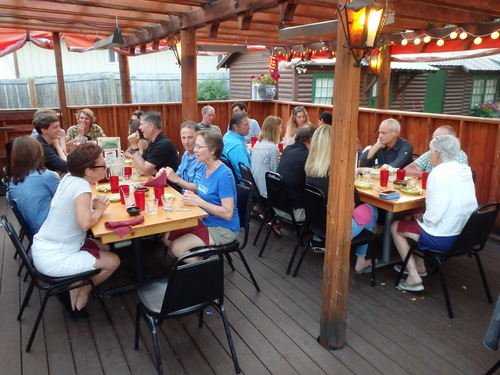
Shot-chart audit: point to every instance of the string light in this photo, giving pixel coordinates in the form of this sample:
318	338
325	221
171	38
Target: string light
458	33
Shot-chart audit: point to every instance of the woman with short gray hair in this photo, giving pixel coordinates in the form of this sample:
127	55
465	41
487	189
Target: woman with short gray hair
450	200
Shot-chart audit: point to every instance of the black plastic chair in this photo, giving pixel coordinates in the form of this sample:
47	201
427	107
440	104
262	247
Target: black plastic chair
278	198
190	288
470	242
316	207
51	285
257	197
244	191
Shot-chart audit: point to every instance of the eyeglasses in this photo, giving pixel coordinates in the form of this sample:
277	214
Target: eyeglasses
99	166
197	147
298	109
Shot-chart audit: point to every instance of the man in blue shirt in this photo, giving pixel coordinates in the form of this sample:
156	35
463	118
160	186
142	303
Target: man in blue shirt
190	171
235	149
254	125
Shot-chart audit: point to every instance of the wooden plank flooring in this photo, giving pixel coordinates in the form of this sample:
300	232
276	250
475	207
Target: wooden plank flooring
274	331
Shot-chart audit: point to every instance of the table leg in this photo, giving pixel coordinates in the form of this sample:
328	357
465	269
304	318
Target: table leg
139	271
386	244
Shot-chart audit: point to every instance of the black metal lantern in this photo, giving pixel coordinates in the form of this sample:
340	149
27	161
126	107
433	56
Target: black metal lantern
362	22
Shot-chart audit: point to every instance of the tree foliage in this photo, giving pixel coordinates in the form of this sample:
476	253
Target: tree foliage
213	89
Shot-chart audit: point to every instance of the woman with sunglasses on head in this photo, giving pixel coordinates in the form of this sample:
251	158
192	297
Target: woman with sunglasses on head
61	248
216	195
298	119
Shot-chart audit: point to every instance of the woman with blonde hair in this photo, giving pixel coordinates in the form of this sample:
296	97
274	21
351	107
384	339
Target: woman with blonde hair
265	153
298	118
318	174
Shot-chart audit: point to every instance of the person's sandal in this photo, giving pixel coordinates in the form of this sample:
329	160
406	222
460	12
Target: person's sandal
277	229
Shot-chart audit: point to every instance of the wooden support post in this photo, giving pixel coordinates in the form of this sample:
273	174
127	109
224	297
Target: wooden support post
189	76
125	84
32	92
384	79
65	119
336	266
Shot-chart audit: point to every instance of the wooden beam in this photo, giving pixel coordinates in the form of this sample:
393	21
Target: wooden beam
336	266
125	83
314	29
65	118
245	19
188	76
384	79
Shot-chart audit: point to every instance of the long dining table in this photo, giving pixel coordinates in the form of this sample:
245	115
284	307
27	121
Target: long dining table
163	221
405	202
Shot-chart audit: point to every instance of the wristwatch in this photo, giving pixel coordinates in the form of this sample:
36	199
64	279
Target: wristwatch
134	149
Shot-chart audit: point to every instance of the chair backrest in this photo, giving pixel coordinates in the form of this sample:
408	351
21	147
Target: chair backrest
226	161
244	190
19	246
246	174
477	229
20	218
315	205
277	194
194	286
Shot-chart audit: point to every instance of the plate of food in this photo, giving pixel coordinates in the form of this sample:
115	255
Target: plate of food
114	197
104	188
412	190
398	184
362	184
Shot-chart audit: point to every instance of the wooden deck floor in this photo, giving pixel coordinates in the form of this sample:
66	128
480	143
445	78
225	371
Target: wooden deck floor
388	331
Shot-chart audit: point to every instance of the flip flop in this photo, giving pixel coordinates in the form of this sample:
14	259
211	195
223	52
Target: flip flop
397	268
403	285
367	269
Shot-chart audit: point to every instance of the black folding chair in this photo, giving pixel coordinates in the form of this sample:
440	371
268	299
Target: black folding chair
316	206
51	285
257	198
470	242
244	191
278	198
190	288
226	161
24	231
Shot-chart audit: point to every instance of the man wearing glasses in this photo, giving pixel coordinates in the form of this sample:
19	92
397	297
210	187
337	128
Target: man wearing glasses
161	151
207	117
190	171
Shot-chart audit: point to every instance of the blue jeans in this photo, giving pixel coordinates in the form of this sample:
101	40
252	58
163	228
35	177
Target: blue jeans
356	229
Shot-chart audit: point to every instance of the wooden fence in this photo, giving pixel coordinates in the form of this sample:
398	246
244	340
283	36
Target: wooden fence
479	137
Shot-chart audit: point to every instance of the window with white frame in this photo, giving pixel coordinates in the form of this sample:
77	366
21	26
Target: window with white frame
322	88
484	90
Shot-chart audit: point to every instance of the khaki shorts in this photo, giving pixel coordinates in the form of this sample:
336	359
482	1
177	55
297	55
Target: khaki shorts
222	236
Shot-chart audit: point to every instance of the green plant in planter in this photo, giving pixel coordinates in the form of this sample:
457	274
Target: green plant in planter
213	89
489	109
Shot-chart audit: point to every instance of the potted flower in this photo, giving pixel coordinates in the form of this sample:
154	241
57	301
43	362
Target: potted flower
489	109
264	86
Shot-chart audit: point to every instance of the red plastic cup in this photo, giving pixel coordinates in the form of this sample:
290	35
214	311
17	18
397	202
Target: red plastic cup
159	191
253	140
400	174
384	177
280	147
114	182
124	192
425	175
140	199
127	172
